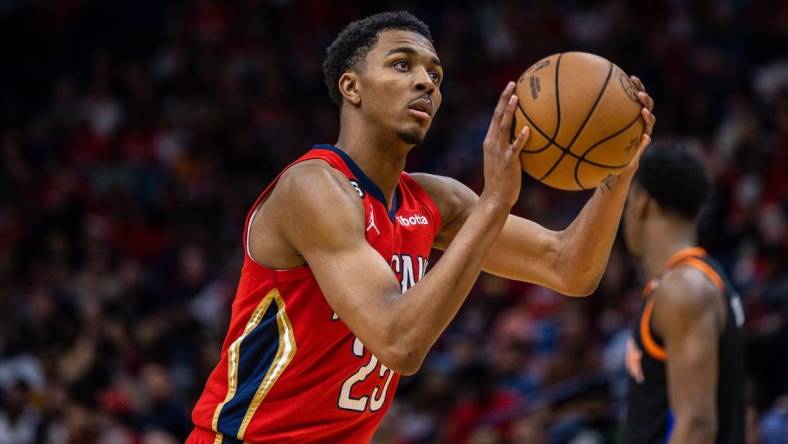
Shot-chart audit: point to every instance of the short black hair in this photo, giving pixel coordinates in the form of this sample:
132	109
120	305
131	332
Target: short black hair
676	177
358	38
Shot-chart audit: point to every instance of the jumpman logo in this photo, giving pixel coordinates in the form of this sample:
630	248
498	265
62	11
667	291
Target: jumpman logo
372	220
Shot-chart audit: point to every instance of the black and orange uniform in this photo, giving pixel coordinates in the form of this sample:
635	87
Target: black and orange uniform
649	419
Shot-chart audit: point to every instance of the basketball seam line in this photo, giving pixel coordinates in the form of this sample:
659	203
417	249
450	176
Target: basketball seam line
595	145
550	140
557	98
585	121
569	153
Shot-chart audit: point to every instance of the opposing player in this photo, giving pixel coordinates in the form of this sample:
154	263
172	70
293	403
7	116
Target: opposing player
333	302
686	360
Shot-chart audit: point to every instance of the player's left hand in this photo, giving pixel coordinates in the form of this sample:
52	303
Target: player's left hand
649	119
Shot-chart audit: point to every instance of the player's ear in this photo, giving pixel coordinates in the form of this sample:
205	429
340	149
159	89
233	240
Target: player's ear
349	87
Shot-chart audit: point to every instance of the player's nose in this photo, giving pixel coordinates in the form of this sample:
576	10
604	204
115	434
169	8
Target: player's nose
424	82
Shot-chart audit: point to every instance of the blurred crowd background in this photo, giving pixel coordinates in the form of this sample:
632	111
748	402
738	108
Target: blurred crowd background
134	136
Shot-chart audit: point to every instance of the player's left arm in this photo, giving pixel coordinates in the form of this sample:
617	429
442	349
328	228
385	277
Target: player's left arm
570	261
689	314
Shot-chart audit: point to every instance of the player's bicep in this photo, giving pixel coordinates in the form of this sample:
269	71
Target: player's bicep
355	281
325	224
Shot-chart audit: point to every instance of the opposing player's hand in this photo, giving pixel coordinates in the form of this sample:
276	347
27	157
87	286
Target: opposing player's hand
648	121
502	169
632	361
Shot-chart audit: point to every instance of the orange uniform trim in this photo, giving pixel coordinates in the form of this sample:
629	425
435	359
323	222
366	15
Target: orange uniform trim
689	257
651	346
684	254
650	285
705	269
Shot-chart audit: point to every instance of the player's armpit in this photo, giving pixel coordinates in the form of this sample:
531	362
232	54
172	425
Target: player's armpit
323	219
454	201
687	314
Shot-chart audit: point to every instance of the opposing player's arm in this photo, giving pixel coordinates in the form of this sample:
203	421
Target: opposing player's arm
320	215
689	315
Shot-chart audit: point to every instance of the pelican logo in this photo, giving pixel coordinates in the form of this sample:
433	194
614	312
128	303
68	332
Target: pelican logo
357	187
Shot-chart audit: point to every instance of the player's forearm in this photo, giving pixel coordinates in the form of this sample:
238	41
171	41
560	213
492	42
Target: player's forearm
423	312
585	245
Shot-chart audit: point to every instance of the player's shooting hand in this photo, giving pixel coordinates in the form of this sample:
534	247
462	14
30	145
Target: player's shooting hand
502	168
648	123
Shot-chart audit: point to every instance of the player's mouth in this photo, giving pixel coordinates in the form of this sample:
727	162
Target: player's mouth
421	108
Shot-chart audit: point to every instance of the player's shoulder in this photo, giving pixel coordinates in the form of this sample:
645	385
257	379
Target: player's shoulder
314	182
435	181
311	175
446	192
687	289
312	192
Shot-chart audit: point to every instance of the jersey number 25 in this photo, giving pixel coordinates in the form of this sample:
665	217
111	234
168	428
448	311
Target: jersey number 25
374	400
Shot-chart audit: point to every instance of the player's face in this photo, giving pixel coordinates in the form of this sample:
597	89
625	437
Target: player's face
399	84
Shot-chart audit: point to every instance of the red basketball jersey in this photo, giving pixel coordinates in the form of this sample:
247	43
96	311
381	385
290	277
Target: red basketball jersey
290	370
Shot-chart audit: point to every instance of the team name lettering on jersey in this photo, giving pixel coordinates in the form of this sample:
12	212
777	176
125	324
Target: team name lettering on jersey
403	266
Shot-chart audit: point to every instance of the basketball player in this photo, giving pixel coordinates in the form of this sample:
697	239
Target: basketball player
686	360
333	304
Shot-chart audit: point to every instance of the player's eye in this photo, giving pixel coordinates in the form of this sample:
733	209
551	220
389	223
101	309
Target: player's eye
435	76
401	65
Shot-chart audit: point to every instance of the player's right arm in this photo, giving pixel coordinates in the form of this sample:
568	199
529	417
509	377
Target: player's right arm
319	215
689	314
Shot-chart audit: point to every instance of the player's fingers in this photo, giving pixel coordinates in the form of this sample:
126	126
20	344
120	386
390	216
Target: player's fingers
649	119
634	371
503	101
522	138
639	374
639	377
646	100
632	361
645	140
638	84
508	117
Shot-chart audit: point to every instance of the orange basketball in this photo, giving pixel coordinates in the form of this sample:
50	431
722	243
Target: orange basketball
584	117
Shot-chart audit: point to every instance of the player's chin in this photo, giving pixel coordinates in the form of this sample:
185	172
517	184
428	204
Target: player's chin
412	136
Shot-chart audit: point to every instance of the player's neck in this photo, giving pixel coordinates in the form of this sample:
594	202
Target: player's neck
382	162
663	240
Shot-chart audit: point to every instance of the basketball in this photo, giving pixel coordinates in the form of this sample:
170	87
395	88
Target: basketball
584	117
